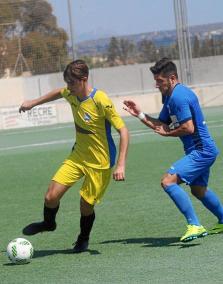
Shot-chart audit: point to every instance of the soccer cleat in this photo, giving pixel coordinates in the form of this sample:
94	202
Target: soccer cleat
81	245
39	227
217	229
193	232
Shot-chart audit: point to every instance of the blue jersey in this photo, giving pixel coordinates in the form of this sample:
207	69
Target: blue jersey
181	106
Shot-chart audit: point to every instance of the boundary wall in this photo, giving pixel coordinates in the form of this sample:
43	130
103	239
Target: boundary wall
60	112
123	82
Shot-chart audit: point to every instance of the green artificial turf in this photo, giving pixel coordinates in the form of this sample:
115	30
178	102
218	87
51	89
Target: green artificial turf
136	234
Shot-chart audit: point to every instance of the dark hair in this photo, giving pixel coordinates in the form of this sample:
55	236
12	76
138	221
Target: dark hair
165	67
77	69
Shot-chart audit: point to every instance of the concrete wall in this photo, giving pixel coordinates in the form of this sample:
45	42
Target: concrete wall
124	82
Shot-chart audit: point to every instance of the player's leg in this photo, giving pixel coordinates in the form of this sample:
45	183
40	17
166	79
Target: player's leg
212	202
51	207
184	170
93	188
199	188
86	223
170	183
64	178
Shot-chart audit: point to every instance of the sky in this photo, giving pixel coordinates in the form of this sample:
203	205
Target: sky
92	19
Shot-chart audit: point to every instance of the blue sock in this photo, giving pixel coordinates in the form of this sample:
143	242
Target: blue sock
183	203
213	203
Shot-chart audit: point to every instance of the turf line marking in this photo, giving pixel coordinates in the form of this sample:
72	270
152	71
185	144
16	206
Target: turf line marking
33	130
57	142
133	133
53	128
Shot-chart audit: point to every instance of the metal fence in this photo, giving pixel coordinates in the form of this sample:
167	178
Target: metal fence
31	40
36	39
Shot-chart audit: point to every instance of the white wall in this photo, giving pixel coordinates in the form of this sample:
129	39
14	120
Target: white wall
123	82
60	112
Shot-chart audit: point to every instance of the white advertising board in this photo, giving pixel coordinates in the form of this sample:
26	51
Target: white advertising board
39	115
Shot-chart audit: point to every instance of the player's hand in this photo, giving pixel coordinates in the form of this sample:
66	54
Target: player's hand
131	107
162	130
119	173
27	105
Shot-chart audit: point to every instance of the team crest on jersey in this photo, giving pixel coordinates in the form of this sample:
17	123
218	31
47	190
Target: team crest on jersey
87	117
175	123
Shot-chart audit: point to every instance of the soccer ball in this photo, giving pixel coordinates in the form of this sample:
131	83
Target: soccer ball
20	251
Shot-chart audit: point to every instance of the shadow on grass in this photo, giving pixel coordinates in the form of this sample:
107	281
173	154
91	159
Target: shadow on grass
153	242
13	264
42	253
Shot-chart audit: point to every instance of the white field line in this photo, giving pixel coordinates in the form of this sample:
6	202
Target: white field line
37	130
133	133
67	141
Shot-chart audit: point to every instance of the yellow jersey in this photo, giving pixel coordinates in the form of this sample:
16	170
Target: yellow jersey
93	117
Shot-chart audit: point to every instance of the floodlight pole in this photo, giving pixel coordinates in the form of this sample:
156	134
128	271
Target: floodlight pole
71	24
184	44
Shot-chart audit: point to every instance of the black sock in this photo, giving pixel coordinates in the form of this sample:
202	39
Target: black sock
50	215
86	223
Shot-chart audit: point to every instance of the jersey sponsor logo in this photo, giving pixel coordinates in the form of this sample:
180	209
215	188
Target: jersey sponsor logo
108	106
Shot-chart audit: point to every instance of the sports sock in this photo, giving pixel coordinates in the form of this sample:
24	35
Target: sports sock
86	223
213	203
50	214
183	203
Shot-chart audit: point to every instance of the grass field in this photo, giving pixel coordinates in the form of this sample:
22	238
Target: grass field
136	234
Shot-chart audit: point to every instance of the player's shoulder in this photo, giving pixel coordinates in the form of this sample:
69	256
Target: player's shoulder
100	93
101	96
183	93
185	89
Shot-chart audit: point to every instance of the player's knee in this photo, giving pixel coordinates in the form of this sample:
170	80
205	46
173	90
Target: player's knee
167	180
86	208
164	182
50	197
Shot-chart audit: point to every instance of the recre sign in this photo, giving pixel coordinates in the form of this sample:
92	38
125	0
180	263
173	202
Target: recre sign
40	115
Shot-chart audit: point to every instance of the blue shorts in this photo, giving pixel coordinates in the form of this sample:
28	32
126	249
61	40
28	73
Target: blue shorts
194	168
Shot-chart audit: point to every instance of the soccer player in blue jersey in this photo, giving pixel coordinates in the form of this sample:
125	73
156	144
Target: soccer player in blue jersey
93	155
181	116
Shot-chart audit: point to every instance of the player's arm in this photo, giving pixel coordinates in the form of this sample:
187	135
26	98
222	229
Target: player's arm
114	118
135	110
119	172
51	96
183	129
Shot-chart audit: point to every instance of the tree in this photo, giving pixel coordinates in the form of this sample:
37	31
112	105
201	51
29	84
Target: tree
147	51
113	51
206	48
126	49
196	47
43	43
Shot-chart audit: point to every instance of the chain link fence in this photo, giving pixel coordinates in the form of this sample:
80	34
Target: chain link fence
31	41
40	37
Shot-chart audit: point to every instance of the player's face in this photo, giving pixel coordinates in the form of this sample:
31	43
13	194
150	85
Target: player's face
75	87
163	84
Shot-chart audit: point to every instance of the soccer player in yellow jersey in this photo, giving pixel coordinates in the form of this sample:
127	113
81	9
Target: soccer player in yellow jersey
93	154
